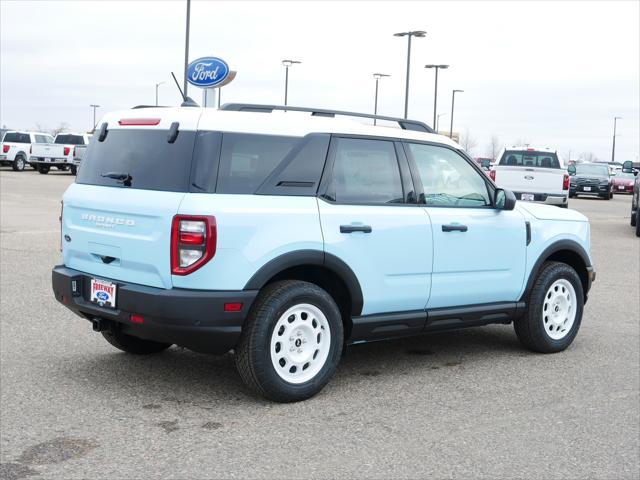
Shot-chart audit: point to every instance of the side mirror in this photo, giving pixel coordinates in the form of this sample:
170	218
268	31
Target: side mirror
504	199
627	167
486	164
571	169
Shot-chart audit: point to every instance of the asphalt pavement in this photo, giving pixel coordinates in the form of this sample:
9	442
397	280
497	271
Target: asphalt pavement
466	404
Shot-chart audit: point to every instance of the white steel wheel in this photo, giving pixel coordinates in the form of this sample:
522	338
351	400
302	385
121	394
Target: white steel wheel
559	309
300	343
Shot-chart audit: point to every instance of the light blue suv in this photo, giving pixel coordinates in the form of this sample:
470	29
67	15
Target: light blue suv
287	235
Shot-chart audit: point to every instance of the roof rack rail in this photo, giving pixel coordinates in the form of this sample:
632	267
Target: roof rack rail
404	123
149	106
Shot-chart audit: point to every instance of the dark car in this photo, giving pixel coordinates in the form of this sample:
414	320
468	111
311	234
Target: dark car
590	179
635	200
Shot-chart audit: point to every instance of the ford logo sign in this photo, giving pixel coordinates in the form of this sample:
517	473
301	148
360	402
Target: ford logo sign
207	72
104	296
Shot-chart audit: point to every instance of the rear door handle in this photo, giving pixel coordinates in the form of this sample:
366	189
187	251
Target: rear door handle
355	228
454	228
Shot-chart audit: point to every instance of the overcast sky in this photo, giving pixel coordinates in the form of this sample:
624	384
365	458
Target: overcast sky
551	73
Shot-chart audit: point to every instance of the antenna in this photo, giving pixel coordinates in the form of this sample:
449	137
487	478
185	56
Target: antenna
187	101
178	85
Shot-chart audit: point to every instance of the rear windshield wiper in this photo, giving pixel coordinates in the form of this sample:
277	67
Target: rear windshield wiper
121	177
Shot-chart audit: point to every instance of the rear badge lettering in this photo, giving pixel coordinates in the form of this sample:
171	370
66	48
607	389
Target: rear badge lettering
107	222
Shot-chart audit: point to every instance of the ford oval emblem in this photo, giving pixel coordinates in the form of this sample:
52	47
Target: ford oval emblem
103	296
207	72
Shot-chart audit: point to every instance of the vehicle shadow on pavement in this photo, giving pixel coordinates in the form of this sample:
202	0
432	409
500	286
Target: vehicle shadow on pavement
184	377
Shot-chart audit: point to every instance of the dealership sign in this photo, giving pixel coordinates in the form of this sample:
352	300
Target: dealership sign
207	72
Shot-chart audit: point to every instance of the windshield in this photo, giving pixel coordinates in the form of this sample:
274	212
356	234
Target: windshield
519	158
17	137
591	169
69	139
625	175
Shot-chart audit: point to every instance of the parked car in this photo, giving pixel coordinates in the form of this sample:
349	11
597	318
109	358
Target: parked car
635	199
622	182
78	155
58	154
2	132
287	237
590	179
17	145
533	174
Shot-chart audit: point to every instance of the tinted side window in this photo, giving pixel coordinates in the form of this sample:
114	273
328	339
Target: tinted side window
247	159
69	139
447	178
365	171
42	139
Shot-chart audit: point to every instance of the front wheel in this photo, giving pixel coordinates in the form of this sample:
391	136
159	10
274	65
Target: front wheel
554	310
291	343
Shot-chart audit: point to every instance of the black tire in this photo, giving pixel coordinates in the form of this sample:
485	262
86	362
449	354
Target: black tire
633	218
74	170
564	205
572	195
530	328
19	163
253	352
606	196
638	222
131	344
43	169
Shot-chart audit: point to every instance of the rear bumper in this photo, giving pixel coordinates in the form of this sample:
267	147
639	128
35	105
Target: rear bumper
53	161
596	190
191	318
548	198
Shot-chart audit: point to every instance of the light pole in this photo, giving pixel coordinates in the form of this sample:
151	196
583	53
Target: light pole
157	85
438	121
287	64
435	95
415	33
219	95
377	76
186	48
453	101
613	151
94	114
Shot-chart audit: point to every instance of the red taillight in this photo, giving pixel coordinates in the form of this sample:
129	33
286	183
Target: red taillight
128	122
5	148
233	307
492	175
193	242
139	319
565	182
66	150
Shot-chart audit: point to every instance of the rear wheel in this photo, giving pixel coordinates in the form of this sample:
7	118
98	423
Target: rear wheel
291	342
633	218
43	169
638	222
74	170
131	344
554	310
19	163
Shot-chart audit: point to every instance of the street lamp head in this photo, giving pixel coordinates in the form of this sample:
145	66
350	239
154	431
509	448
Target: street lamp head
380	75
618	118
415	33
288	63
458	91
436	66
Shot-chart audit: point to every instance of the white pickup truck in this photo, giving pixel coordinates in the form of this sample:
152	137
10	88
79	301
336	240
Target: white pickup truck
533	175
16	147
59	154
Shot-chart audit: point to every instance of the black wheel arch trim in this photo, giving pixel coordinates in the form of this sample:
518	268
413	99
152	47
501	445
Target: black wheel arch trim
560	245
310	257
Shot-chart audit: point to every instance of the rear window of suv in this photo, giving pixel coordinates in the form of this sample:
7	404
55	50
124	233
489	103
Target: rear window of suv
529	158
16	137
69	139
144	155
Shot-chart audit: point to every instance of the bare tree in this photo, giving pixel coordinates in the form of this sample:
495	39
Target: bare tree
468	142
60	128
494	147
588	157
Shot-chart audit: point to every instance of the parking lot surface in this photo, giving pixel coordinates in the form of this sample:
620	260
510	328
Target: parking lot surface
467	404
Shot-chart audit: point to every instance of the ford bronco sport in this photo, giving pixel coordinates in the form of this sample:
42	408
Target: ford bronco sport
286	236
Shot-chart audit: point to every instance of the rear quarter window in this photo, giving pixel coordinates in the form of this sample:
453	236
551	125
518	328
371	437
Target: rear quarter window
144	155
70	139
15	137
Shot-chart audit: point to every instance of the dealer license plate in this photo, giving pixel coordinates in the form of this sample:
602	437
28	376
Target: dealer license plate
103	293
620	187
587	189
527	197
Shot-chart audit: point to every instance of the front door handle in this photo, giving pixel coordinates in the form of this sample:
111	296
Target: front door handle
454	228
355	228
